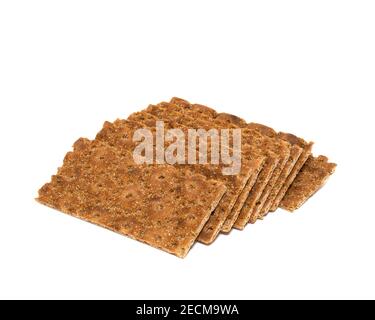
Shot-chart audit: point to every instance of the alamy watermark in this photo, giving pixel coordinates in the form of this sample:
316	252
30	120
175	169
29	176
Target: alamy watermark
191	146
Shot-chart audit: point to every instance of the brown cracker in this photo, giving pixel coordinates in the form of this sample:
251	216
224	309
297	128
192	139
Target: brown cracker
312	177
158	205
242	200
249	152
252	139
270	173
254	142
306	152
278	146
235	184
295	153
300	151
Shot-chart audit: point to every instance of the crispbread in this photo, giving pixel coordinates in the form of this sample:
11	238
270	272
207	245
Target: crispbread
267	178
282	149
115	135
242	199
306	152
166	111
172	206
235	184
300	150
255	142
278	146
310	179
162	206
295	153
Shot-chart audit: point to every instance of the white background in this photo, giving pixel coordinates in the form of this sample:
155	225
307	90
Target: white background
306	67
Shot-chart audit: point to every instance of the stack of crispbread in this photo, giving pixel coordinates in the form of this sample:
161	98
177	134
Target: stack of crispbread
170	206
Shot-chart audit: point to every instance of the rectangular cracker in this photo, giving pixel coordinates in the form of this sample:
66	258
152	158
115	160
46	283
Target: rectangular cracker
266	179
235	184
300	150
113	134
276	145
306	152
295	153
312	177
241	202
158	205
250	138
166	110
284	150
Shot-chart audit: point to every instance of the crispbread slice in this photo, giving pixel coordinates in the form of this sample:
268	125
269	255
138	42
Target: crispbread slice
300	150
235	184
158	205
258	144
295	153
243	198
249	152
255	142
312	177
116	135
271	143
249	210
271	172
306	152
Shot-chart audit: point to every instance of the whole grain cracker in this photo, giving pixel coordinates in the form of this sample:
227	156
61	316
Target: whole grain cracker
292	167
158	205
306	152
235	184
276	145
165	110
312	177
252	138
295	153
267	178
250	208
113	133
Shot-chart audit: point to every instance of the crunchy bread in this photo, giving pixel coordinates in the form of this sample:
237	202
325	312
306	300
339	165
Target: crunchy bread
313	175
115	134
184	191
271	171
253	144
295	153
235	184
162	206
287	171
306	152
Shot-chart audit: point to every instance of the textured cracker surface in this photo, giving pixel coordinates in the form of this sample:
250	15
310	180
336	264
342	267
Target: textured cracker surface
284	169
281	148
249	151
244	197
115	135
278	155
306	152
162	206
266	180
295	153
310	179
235	184
253	145
259	143
169	207
287	171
